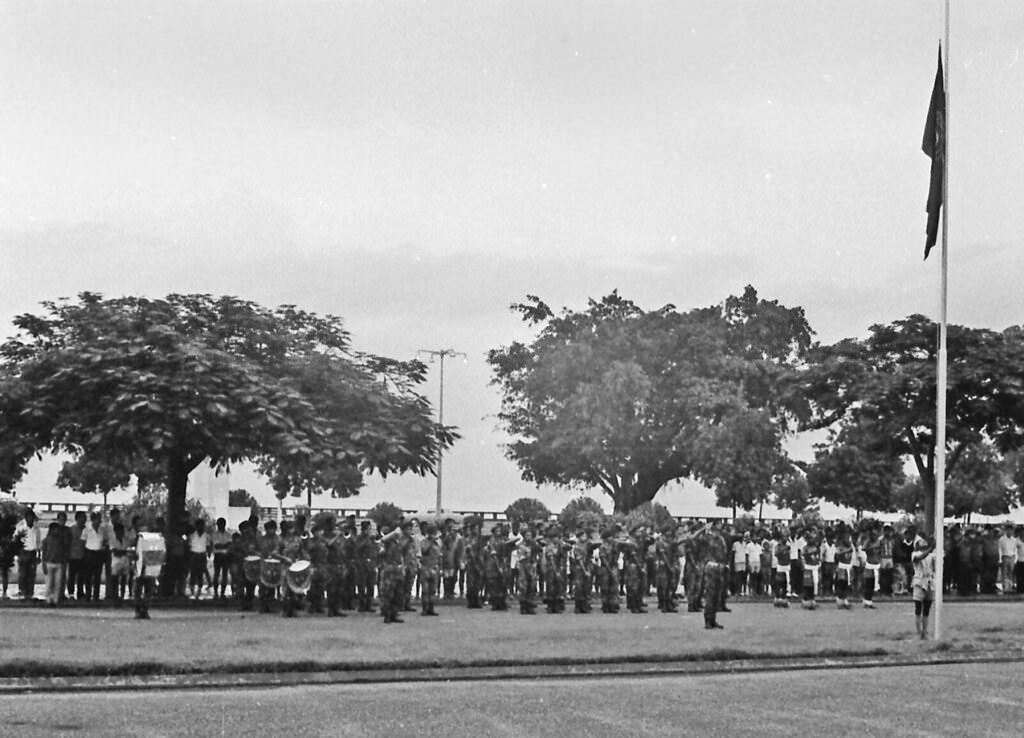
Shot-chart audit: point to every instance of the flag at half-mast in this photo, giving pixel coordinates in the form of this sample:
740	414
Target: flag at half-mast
934	146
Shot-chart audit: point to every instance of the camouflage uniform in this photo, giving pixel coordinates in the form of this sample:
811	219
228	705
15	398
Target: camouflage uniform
582	573
392	575
714	554
693	574
474	570
527	550
430	571
553	570
365	569
666	552
334	572
634	577
608	574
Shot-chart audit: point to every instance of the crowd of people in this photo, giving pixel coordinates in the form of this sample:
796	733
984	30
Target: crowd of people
333	566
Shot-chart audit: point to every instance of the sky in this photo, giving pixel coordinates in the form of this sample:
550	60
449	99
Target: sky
417	167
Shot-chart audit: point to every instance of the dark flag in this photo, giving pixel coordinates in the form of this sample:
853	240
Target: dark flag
934	146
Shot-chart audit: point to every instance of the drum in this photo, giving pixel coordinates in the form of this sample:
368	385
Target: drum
271	572
251	569
299	576
808	577
152	553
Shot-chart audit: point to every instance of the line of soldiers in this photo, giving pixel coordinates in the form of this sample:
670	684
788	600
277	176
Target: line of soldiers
335	569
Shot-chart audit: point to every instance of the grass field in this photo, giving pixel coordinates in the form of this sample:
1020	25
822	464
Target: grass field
36	641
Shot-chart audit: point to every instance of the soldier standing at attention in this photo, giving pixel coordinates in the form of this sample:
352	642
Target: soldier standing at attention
811	555
269	547
665	552
844	568
474	566
552	569
527	554
715	554
608	572
633	572
334	567
582	573
412	565
430	569
366	567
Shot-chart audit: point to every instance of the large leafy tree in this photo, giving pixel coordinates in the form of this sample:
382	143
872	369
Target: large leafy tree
154	388
625	400
878	397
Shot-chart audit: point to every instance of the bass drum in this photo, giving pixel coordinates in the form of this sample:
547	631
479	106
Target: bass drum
251	569
299	576
271	573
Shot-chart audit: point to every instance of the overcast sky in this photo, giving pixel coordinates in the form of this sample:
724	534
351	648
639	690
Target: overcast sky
415	167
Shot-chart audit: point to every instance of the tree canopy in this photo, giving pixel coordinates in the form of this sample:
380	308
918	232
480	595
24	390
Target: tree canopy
878	395
155	387
527	510
625	400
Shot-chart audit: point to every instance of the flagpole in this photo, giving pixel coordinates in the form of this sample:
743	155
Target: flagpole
940	379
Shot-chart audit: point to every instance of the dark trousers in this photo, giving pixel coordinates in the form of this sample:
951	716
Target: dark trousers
93	573
143	594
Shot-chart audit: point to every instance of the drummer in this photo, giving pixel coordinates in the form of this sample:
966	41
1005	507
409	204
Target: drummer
247	549
150	553
268	547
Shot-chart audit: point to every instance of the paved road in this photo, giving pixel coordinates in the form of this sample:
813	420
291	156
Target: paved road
975	700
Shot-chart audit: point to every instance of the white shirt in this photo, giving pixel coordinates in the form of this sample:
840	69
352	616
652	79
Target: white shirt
94	539
33	535
199	543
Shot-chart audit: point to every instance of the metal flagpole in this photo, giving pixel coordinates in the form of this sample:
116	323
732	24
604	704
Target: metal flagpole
940	375
441	354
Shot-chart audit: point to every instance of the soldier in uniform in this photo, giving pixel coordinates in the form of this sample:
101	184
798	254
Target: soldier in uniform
412	565
693	573
365	566
429	569
451	557
316	550
527	549
291	549
348	558
844	568
811	556
633	574
608	571
248	546
665	553
392	573
714	553
474	566
581	570
782	544
268	546
333	567
553	569
496	555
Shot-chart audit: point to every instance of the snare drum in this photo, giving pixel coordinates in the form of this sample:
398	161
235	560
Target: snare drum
299	576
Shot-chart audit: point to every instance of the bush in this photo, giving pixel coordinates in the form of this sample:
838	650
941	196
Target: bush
385	514
527	510
583	511
651	515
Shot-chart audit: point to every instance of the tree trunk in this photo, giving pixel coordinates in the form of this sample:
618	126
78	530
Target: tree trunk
177	487
632	495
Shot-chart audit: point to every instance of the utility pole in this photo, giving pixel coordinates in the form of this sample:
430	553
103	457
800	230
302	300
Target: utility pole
440	354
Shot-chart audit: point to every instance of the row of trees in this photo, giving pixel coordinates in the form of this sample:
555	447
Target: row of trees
625	400
612	398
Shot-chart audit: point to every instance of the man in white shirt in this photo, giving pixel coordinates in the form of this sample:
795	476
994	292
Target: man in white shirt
1007	559
31	537
95	538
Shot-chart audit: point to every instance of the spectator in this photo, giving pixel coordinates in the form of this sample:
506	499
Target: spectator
924	583
117	582
198	549
220	540
55	558
886	562
989	560
828	563
7	553
739	565
1007	559
76	557
1018	568
29	538
95	539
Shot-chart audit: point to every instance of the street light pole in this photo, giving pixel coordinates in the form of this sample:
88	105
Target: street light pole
440	354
